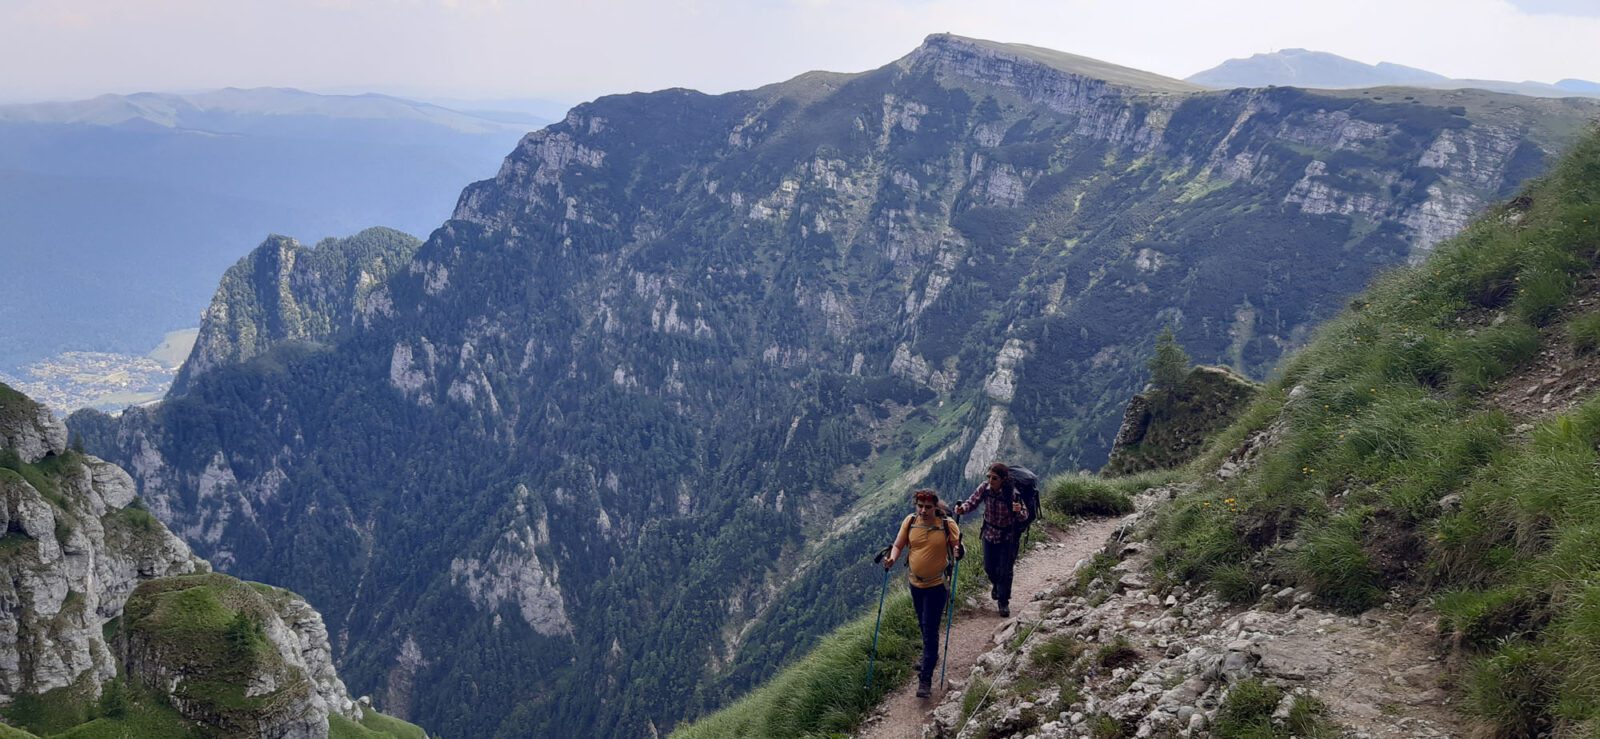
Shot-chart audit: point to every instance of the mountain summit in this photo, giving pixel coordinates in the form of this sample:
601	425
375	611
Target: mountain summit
609	447
1306	68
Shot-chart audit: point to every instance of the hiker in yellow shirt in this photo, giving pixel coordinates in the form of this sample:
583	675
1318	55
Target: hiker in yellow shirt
932	536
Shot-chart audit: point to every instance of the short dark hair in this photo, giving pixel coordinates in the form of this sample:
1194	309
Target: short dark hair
929	495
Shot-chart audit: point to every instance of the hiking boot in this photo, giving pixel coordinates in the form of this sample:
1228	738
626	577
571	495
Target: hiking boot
924	688
994	592
1005	610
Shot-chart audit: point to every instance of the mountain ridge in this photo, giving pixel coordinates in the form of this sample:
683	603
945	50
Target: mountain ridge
205	111
283	291
1324	70
696	320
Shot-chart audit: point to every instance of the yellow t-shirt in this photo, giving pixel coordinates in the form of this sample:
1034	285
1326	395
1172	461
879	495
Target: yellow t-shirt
928	550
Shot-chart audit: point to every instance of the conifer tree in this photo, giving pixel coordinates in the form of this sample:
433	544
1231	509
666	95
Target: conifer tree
1170	364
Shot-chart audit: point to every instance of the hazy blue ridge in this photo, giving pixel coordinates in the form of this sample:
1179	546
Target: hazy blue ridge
120	212
1322	70
636	415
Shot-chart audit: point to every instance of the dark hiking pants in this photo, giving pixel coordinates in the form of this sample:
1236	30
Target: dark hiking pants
929	604
999	557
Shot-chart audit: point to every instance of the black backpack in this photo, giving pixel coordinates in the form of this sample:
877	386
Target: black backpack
1026	485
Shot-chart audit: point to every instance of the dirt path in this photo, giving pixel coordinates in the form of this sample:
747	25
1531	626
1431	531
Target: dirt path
1379	674
902	714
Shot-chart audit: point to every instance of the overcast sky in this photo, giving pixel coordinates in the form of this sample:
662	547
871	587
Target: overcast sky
574	51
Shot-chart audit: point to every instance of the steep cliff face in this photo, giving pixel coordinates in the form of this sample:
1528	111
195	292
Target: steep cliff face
282	291
93	587
645	398
74	547
27	428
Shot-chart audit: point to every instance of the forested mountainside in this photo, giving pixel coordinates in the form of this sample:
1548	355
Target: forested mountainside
614	445
111	626
282	291
1395	538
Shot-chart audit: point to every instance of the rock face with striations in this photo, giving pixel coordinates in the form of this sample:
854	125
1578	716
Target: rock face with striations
80	552
680	338
75	544
29	429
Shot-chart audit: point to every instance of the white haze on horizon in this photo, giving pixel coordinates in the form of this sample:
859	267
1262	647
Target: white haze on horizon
487	49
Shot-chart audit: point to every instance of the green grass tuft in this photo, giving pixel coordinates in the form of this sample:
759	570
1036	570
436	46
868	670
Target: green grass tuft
1237	583
976	691
825	691
1118	653
1102	726
1081	495
1514	689
1476	361
1247	711
1584	333
1332	564
1056	654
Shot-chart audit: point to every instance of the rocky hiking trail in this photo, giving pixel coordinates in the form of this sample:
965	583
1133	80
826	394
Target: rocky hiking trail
1046	565
1376	674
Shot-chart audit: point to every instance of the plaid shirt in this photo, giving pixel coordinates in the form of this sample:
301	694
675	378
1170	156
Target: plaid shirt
998	518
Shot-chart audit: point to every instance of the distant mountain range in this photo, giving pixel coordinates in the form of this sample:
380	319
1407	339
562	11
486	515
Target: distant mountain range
609	447
117	213
1319	69
236	110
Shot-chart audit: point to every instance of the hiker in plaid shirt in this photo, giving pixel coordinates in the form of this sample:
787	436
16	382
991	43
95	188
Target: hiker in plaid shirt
1003	516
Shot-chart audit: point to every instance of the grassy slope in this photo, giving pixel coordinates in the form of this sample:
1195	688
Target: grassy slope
1085	66
825	692
1392	418
1398	471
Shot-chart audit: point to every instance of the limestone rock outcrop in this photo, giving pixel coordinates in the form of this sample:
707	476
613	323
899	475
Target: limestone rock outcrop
283	291
79	551
1164	428
75	544
29	429
197	637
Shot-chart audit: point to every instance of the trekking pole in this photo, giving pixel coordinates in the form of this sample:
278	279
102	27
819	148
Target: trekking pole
950	619
873	657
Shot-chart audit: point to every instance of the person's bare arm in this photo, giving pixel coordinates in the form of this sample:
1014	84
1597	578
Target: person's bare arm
966	506
901	541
